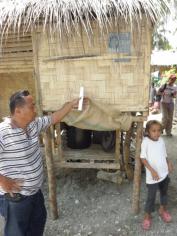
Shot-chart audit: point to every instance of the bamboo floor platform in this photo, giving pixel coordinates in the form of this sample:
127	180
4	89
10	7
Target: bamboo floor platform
92	157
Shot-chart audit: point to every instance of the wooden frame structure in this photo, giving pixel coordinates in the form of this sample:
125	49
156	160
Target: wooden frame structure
118	62
90	159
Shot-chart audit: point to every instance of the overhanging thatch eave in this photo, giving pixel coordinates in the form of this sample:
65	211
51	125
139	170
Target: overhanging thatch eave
64	15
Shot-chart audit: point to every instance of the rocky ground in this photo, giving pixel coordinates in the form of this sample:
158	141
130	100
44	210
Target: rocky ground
88	206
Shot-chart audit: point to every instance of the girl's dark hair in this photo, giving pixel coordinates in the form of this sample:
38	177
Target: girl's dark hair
17	100
149	124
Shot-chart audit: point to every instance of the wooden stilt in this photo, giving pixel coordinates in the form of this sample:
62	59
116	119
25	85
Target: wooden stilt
35	43
51	174
137	172
59	143
53	140
128	168
117	151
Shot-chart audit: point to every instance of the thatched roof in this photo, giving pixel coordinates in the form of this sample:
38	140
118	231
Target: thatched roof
65	15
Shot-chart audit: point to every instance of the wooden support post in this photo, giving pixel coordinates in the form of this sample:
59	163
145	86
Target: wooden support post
53	139
137	172
59	143
117	151
35	42
128	168
51	174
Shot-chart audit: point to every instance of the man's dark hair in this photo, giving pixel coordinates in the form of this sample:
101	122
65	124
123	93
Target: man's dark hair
17	100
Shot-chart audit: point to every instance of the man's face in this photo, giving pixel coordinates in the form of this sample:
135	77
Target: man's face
172	80
28	111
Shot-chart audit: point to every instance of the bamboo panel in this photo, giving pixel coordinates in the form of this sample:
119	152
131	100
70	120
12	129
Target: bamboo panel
11	33
21	44
16	53
15	70
121	78
5	59
20	62
17	49
11	39
11	82
111	86
22	65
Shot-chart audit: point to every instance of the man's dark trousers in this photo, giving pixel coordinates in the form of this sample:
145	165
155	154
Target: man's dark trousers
24	218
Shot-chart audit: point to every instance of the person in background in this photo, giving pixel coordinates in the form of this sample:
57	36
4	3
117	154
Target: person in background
21	165
152	95
154	103
168	93
154	158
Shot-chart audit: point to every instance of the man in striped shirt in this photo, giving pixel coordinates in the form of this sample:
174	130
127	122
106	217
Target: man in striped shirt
21	167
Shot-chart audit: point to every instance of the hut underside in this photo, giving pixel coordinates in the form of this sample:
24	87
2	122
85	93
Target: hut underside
95	158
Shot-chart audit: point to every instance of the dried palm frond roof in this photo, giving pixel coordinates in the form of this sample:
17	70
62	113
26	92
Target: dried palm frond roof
64	15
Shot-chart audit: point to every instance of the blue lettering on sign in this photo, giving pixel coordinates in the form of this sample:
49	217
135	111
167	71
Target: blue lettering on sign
120	43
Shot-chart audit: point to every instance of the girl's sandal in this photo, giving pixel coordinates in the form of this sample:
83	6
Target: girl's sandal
146	225
165	216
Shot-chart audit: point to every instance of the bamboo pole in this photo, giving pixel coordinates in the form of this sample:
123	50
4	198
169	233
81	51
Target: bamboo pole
59	143
59	58
53	139
35	43
51	174
117	150
137	172
128	168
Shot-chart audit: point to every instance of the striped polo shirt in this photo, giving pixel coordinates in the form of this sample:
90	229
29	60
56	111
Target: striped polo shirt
20	154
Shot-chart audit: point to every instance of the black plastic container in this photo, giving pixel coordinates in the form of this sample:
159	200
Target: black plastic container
78	138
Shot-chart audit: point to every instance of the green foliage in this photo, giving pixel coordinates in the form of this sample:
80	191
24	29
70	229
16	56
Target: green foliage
158	81
160	41
167	73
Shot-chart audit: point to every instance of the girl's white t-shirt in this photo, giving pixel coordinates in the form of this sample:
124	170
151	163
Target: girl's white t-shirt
155	153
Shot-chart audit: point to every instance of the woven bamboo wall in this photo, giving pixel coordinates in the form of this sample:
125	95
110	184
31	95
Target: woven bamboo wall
16	53
120	78
16	67
10	83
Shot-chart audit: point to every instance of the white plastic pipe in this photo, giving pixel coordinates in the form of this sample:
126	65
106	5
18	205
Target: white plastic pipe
81	96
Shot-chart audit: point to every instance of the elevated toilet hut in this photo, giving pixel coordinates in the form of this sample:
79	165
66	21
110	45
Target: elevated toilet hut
104	46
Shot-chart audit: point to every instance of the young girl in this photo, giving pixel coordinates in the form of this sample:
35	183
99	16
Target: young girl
154	158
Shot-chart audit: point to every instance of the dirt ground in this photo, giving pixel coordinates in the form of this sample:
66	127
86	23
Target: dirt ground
88	206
